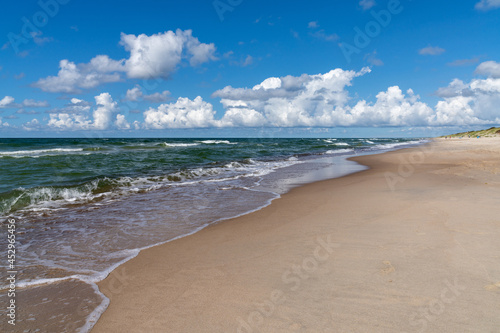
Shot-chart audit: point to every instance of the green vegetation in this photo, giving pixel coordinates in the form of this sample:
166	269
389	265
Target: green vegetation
490	132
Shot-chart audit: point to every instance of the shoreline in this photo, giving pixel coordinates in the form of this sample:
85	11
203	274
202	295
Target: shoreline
109	284
42	289
184	253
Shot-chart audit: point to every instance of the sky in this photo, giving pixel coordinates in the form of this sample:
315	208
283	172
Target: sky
241	68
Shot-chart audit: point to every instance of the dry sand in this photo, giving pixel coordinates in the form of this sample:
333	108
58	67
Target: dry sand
411	245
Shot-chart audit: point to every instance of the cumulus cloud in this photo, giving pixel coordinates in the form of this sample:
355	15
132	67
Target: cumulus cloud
474	102
489	68
32	125
104	111
155	56
3	124
76	106
322	100
72	78
9	102
486	5
184	113
135	95
431	50
76	115
121	122
65	121
6	102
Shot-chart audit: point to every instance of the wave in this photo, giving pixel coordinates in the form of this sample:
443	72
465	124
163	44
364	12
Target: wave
39	152
338	151
41	199
341	144
398	144
212	142
180	144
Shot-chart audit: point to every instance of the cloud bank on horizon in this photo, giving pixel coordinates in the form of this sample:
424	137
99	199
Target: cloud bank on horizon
320	100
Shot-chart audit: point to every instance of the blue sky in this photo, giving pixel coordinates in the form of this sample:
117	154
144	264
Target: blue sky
230	68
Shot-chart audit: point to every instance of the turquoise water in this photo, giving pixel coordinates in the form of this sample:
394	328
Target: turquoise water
83	206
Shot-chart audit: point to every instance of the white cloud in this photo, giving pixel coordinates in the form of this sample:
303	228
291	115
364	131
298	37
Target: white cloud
475	102
9	102
121	122
489	68
367	4
32	125
31	103
135	95
73	78
307	100
155	56
6	102
76	117
64	121
3	124
323	101
158	97
431	50
184	113
76	106
486	5
104	111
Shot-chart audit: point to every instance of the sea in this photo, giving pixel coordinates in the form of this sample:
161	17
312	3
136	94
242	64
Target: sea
82	207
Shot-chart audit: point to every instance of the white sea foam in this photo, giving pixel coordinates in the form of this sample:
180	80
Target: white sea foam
180	144
338	151
330	140
398	144
211	142
341	144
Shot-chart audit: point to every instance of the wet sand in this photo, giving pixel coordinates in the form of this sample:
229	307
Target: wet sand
410	245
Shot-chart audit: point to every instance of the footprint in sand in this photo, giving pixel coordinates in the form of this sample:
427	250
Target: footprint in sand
388	269
493	287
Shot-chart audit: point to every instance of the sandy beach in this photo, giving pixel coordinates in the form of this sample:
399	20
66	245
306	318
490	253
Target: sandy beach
410	245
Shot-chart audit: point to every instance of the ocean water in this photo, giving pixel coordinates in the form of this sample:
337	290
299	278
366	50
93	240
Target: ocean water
84	206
